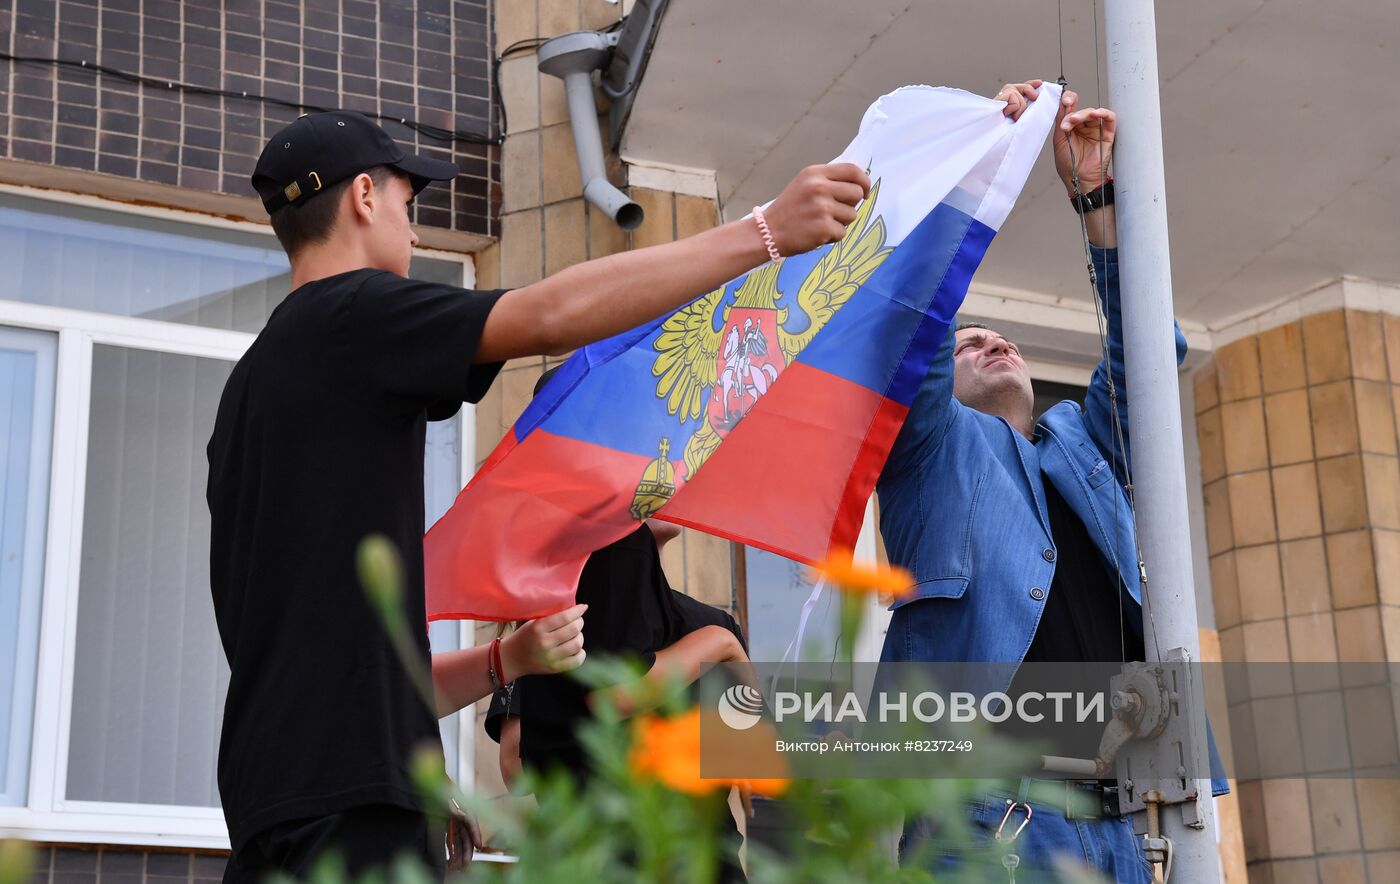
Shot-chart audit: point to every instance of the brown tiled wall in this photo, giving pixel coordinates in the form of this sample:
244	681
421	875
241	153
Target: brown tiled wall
547	226
424	60
117	865
1298	439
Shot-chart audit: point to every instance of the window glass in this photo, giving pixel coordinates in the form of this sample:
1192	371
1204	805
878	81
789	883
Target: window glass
84	258
149	672
1051	393
26	427
778	588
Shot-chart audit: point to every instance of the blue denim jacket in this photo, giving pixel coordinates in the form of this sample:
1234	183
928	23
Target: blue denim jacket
962	506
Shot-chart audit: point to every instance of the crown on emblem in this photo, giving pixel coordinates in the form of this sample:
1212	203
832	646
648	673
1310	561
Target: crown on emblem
658	483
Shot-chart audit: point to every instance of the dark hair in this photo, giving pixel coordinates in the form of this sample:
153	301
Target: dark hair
545	378
300	225
963	325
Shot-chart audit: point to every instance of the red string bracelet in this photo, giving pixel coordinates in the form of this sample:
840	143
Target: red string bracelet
495	668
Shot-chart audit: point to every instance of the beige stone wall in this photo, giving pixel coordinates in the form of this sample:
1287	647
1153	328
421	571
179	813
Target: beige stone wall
1298	439
547	226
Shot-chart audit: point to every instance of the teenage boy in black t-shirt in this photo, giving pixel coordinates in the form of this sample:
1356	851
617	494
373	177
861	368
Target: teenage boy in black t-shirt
319	442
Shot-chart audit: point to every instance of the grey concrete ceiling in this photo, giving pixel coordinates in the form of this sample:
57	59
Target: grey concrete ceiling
1281	122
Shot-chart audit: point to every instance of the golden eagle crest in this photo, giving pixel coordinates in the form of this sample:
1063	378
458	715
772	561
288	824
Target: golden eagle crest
737	362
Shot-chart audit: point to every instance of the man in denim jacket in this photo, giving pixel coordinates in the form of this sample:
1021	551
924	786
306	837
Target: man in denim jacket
1019	532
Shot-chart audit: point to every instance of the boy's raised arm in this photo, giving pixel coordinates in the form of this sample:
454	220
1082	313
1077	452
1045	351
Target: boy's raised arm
597	299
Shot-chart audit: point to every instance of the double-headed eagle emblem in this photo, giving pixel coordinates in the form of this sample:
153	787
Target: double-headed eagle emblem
718	356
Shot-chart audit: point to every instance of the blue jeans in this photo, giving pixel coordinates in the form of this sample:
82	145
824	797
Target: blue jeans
1105	845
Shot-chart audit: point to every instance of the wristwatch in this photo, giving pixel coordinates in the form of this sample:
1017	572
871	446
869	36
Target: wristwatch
1095	199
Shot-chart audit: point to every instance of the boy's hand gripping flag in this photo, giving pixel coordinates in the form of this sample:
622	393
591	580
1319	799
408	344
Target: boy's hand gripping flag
764	410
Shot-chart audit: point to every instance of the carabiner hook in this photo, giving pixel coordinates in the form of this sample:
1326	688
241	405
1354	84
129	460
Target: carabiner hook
1010	809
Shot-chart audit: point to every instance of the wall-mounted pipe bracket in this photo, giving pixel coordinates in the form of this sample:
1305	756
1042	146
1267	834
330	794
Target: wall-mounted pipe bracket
573	58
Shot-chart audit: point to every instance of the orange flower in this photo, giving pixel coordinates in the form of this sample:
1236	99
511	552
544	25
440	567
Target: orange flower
668	750
844	572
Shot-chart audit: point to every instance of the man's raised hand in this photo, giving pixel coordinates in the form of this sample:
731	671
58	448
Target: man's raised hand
1083	143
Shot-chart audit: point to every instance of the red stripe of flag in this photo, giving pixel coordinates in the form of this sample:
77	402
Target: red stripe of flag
753	488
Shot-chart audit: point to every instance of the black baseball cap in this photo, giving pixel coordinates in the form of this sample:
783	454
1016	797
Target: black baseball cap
318	150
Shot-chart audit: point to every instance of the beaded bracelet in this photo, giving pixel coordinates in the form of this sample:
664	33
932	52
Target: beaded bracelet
767	234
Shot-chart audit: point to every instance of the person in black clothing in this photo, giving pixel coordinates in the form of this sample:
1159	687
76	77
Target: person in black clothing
633	612
318	443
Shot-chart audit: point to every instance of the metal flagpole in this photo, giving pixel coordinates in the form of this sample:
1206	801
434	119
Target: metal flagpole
1154	411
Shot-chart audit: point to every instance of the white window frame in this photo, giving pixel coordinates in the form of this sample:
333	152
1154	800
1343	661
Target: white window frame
48	814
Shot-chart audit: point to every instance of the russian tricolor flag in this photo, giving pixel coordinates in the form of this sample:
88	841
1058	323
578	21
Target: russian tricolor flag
763	411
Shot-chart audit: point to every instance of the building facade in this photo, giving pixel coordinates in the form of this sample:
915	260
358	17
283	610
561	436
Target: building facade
135	267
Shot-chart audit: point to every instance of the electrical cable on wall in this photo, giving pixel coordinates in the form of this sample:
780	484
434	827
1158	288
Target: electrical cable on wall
437	133
519	46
